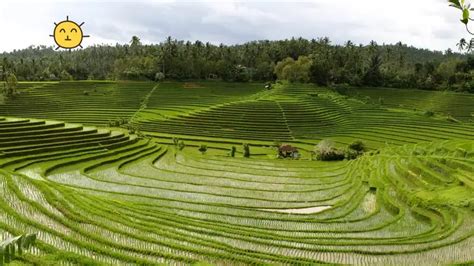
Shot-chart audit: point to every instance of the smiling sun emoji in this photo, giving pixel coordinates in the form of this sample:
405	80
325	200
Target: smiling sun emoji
68	34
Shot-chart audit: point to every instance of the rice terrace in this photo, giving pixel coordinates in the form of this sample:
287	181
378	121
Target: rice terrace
94	191
274	152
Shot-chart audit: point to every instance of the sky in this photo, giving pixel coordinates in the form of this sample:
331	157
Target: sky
430	24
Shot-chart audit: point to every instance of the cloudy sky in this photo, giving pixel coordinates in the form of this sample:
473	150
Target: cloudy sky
428	24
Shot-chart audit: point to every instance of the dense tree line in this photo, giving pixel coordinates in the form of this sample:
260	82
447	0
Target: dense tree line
296	60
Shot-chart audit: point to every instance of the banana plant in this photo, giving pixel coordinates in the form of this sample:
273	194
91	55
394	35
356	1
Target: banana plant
15	245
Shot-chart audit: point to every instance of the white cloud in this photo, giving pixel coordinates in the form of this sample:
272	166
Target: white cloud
429	24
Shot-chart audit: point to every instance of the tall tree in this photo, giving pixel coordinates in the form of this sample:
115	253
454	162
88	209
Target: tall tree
10	85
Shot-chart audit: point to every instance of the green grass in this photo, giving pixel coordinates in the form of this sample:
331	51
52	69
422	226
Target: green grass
104	196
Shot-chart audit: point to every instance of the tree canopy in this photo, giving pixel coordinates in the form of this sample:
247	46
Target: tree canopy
296	59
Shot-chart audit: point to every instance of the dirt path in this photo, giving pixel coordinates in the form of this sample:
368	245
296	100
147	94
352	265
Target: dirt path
310	210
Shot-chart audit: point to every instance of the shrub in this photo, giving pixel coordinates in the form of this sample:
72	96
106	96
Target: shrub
268	85
175	141
428	113
203	148
133	129
418	152
326	151
351	154
358	146
159	76
178	143
64	75
461	152
246	150
181	145
232	151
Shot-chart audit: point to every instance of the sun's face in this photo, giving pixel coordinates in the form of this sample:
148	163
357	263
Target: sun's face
68	34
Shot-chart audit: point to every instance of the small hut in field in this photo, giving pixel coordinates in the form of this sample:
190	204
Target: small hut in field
288	151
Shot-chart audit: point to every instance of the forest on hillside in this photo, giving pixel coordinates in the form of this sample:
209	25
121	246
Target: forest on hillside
296	60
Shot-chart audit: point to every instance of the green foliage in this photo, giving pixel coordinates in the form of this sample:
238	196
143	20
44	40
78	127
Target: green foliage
355	149
246	149
115	122
358	146
268	85
175	141
159	76
280	66
317	61
373	76
10	85
203	148
465	9
135	42
326	150
294	71
351	154
232	151
181	145
133	129
64	75
429	113
319	72
17	245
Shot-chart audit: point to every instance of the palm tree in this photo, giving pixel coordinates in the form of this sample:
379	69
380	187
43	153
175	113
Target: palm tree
135	41
462	44
470	46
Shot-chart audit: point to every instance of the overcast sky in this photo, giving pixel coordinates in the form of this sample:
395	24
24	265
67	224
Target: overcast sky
428	24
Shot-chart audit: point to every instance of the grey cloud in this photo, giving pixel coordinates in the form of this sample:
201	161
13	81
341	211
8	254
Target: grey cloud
431	24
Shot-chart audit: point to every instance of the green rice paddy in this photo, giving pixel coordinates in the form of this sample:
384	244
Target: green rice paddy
104	195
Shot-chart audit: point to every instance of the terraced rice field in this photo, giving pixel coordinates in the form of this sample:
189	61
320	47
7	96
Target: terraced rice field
98	195
458	105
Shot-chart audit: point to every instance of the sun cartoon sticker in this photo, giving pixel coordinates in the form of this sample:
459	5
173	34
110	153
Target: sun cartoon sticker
68	34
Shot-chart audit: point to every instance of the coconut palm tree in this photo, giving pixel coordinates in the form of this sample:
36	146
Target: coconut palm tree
135	41
462	44
470	46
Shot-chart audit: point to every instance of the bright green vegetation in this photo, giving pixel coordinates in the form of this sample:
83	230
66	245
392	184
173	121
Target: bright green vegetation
104	196
93	103
444	103
9	248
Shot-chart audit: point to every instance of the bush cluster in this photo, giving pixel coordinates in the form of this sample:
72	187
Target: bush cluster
118	122
232	151
179	143
246	148
203	148
326	150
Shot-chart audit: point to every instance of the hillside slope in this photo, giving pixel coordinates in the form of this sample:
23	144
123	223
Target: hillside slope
100	197
247	112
